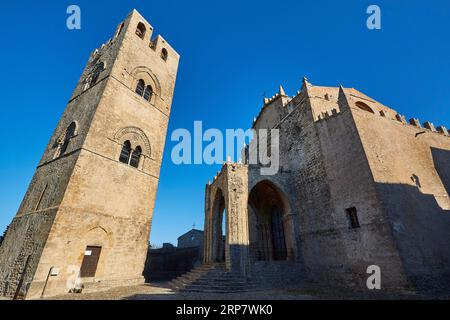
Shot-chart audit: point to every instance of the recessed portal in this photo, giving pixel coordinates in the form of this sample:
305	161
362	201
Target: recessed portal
266	224
219	227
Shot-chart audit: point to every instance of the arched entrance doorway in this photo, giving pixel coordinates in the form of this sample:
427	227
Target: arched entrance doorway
219	227
267	208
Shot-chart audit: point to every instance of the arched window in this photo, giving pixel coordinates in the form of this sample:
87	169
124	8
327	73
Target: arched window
363	106
135	157
148	93
140	87
119	29
69	134
96	73
164	54
140	30
126	152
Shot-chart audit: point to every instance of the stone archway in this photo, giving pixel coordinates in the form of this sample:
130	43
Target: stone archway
219	214
226	213
269	225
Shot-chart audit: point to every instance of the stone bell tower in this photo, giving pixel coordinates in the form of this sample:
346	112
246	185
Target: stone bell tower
87	214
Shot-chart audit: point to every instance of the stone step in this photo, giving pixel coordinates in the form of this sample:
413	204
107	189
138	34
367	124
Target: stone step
205	290
231	286
212	278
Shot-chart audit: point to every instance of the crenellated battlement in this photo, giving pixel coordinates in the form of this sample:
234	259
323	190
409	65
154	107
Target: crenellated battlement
413	122
326	105
326	115
138	26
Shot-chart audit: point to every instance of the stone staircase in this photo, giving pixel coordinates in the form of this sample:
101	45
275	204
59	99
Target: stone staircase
213	279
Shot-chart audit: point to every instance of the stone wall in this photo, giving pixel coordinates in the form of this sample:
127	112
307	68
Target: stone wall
410	168
169	263
341	150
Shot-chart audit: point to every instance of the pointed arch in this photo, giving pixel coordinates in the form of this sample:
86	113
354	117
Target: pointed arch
219	215
269	230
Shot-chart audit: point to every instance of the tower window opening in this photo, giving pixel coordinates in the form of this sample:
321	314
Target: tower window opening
96	74
352	215
125	152
140	87
140	30
63	142
135	157
148	93
129	156
119	30
164	54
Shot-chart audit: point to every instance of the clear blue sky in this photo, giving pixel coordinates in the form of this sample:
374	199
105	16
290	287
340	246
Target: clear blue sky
231	53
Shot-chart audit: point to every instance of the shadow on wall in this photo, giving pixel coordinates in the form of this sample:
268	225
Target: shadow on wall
169	263
421	229
441	159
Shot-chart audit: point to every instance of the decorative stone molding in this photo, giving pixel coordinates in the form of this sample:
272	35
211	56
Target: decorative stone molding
136	136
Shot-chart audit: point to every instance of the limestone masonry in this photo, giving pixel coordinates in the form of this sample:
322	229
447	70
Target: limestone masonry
88	209
357	186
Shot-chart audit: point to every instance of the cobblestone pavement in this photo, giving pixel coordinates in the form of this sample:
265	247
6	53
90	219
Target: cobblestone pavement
161	291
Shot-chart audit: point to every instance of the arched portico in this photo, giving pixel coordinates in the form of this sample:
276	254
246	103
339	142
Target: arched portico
271	223
226	219
219	234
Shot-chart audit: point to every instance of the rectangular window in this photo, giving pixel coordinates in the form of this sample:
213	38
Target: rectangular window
352	215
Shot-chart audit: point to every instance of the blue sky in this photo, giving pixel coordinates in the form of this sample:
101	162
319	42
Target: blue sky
232	52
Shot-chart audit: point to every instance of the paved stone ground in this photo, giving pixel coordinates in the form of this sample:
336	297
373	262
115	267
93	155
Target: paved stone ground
160	291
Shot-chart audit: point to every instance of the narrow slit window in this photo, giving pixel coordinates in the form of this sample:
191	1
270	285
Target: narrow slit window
38	205
352	215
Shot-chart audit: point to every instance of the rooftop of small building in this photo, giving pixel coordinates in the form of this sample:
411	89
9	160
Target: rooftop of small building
190	232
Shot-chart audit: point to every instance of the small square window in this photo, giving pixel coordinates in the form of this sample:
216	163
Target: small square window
352	215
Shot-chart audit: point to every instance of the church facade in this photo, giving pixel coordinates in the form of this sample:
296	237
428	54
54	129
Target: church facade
357	186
